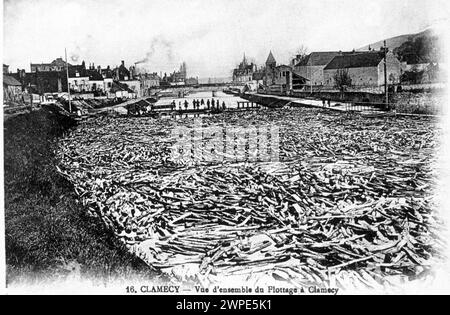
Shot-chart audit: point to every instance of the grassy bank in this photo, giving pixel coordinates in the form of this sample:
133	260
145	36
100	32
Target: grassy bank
48	234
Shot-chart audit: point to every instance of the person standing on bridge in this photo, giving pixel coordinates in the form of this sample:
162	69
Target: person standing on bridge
223	105
207	104
186	104
212	104
202	102
173	105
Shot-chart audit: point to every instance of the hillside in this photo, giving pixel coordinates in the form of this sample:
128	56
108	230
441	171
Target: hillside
397	41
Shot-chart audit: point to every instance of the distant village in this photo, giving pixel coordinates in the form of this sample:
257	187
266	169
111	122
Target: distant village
88	81
370	70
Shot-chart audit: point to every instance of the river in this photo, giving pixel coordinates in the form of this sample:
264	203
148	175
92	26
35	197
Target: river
229	100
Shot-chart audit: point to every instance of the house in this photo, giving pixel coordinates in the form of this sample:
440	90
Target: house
125	76
96	83
121	73
121	91
311	67
78	79
12	90
42	82
244	71
281	78
415	66
364	68
56	65
432	73
148	81
133	85
108	77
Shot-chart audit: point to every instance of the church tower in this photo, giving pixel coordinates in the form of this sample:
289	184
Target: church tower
271	62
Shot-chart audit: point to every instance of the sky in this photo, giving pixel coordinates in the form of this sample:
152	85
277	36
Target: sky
211	36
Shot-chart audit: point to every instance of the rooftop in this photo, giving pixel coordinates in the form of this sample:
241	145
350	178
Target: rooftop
9	80
318	58
271	58
356	60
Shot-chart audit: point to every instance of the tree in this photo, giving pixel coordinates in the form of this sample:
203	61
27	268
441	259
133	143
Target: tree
422	49
342	79
300	54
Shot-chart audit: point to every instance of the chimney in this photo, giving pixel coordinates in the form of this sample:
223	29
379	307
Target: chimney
131	72
123	63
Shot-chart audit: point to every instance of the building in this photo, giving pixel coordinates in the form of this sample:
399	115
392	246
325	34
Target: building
12	90
42	82
56	65
364	68
78	79
121	91
269	71
148	81
134	86
96	82
121	73
181	75
126	77
311	67
281	78
175	78
244	71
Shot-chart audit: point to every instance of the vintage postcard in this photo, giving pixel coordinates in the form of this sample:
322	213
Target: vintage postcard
225	148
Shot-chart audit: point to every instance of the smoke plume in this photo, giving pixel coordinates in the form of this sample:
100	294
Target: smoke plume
158	46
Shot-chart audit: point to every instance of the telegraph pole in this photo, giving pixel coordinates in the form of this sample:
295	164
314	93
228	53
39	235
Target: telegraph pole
386	92
68	87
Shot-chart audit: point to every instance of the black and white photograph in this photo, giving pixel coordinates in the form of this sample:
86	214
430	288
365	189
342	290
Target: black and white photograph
225	148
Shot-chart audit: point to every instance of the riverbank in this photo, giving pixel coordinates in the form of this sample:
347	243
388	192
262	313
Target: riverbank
406	102
49	235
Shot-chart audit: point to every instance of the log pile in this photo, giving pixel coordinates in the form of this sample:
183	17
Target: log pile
351	197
